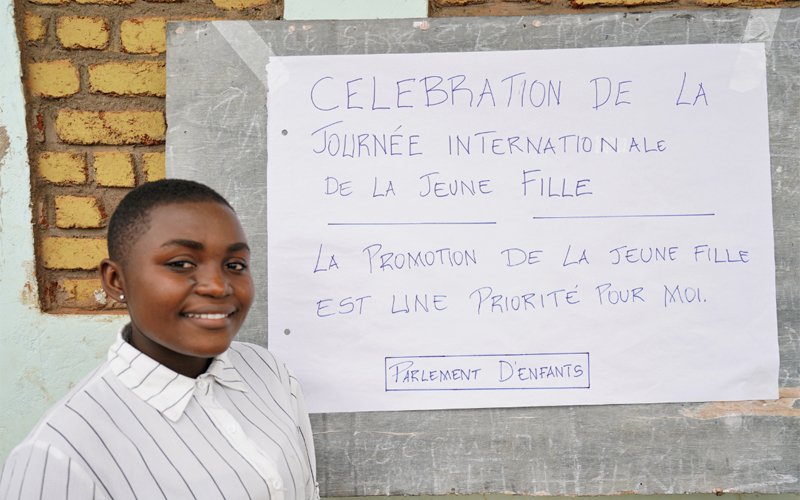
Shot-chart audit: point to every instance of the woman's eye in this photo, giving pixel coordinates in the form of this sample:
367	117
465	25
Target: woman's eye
237	266
181	264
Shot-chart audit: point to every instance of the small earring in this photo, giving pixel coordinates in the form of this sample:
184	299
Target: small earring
121	297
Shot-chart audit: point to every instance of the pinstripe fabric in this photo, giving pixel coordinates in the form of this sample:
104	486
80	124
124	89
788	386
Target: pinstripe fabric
134	429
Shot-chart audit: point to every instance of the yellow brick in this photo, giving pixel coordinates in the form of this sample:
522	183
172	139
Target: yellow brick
53	79
116	128
139	79
617	3
34	27
73	253
458	2
114	170
85	293
79	211
50	2
78	32
106	2
63	168
154	166
144	35
239	4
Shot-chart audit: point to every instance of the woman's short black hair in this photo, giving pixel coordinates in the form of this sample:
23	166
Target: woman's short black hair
132	216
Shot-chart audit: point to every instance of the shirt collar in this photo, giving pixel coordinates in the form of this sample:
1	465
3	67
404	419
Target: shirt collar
163	389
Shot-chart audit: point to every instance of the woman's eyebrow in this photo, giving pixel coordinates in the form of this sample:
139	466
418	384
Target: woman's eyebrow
194	245
238	246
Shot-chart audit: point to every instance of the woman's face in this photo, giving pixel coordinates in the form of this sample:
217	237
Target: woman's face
187	284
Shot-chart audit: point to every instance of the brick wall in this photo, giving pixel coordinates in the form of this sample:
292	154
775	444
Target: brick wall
95	82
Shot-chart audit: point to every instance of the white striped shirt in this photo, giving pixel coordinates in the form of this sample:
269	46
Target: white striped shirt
134	429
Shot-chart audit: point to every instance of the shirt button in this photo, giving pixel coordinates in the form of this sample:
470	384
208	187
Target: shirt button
202	384
277	483
231	429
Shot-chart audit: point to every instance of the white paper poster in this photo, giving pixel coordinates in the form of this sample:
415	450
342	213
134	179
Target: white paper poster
499	229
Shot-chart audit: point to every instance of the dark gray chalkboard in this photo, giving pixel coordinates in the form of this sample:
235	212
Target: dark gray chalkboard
216	111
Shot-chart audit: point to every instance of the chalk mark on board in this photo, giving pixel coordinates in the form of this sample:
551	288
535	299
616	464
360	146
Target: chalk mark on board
640	216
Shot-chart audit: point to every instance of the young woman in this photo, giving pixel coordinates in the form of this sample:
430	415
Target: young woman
178	411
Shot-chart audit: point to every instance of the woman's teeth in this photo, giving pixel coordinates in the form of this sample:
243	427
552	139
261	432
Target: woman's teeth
207	316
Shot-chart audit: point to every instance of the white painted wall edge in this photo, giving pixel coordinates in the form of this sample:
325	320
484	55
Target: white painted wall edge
354	9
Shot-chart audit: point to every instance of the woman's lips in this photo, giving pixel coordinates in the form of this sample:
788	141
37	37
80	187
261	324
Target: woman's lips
207	315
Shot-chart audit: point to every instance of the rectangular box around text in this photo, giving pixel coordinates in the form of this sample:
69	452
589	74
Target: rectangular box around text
488	372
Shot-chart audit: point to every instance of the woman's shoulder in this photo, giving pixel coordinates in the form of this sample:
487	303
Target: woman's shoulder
52	444
61	406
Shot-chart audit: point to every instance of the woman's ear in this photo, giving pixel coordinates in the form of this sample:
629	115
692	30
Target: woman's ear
112	279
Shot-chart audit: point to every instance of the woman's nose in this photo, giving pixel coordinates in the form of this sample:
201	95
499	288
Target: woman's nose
212	281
